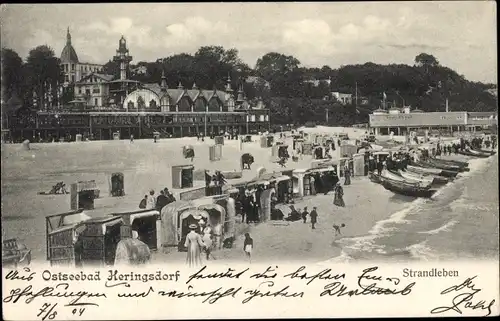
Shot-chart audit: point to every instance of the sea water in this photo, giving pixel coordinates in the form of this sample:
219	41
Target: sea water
459	222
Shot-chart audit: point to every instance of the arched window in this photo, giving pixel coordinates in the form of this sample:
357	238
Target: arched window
130	105
200	104
184	104
152	104
214	104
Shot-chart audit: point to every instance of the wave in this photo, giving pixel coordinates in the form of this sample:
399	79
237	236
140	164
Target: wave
448	198
444	228
421	251
342	258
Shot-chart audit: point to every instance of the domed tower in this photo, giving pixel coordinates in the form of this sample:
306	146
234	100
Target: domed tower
69	61
68	54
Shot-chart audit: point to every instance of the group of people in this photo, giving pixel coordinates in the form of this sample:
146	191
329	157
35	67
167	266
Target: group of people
203	239
157	202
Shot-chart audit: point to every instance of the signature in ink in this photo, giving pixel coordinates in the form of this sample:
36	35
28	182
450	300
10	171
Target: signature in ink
464	299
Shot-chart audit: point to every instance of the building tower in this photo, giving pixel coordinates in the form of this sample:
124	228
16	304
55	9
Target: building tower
123	57
163	85
241	95
69	61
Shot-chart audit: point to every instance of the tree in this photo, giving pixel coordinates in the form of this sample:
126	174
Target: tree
12	73
426	61
273	63
45	73
112	68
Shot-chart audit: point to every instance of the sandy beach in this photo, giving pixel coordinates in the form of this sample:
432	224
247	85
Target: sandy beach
146	166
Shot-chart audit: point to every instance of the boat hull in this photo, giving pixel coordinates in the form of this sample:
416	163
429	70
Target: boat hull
444	172
434	179
455	168
407	190
451	162
491	152
469	153
389	175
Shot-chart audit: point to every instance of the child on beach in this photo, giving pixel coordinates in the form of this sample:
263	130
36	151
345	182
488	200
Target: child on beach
336	228
248	246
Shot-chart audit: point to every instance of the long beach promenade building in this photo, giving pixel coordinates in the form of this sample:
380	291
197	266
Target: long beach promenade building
104	106
403	121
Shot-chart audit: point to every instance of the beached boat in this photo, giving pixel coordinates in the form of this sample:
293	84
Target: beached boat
396	177
402	188
435	179
474	154
427	164
451	162
456	168
413	178
423	170
491	152
432	163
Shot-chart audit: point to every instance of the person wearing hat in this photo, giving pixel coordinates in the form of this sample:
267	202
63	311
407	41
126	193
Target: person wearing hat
194	244
201	223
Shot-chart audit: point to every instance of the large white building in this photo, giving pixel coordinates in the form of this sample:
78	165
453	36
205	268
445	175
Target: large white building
74	70
402	121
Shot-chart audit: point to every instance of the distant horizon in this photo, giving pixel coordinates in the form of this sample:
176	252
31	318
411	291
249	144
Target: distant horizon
461	35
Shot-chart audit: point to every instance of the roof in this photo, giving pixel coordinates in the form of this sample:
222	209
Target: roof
482	113
175	93
68	54
104	77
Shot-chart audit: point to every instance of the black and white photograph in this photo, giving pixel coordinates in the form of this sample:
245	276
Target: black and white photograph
361	135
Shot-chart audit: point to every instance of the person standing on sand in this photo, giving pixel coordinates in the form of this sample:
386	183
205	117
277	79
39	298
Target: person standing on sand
347	174
194	244
131	138
304	215
248	247
314	218
339	196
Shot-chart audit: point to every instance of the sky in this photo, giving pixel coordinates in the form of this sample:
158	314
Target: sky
461	35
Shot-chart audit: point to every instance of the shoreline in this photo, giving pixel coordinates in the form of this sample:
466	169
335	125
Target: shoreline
147	165
366	204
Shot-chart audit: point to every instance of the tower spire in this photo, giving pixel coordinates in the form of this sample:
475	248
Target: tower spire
163	80
228	83
68	37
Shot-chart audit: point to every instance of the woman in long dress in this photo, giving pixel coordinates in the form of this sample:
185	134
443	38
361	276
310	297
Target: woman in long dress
339	194
194	244
347	174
